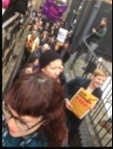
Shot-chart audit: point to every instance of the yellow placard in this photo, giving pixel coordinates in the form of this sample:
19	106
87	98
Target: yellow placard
82	102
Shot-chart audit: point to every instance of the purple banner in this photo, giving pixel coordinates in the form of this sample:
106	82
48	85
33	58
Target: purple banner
53	11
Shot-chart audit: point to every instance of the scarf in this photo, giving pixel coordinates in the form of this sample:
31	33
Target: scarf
36	139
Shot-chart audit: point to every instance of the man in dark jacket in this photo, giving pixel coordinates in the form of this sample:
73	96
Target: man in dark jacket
93	85
15	6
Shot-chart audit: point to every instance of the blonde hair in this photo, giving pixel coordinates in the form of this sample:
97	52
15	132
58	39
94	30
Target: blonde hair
100	72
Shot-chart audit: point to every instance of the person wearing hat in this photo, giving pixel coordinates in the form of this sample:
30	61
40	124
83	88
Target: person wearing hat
51	64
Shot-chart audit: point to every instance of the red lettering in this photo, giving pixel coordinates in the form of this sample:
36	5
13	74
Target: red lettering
82	102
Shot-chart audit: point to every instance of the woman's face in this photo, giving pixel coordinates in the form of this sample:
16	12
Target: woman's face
35	27
47	24
53	69
66	45
28	70
98	81
16	124
34	34
36	62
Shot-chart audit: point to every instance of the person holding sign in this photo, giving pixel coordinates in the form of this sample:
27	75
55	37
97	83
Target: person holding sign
92	85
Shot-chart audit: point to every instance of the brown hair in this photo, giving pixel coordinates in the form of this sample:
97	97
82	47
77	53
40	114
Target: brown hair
105	19
100	72
38	95
22	72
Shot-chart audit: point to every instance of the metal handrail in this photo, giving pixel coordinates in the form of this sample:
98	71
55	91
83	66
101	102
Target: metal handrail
6	23
85	42
88	47
14	32
10	20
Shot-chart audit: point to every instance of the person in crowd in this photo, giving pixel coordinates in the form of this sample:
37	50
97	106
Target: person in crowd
40	26
5	4
44	47
51	64
34	13
97	37
51	41
44	37
69	37
34	60
38	52
33	113
47	26
65	51
32	43
34	57
39	14
44	20
93	85
15	6
28	69
52	31
33	27
32	64
36	19
58	46
57	27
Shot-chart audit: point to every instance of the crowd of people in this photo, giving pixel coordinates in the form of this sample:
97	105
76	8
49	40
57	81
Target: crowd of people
37	111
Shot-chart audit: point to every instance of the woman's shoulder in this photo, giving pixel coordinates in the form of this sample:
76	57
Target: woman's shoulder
40	140
80	80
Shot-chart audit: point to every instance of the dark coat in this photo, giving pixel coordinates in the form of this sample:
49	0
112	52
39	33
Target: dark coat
71	87
74	85
15	6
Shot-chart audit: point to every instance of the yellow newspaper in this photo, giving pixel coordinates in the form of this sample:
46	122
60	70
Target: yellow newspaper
82	102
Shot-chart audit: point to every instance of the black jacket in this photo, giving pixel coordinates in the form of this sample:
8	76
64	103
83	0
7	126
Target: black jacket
74	85
70	88
15	6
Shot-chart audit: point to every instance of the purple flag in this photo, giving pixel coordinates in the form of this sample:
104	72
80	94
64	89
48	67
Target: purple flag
52	10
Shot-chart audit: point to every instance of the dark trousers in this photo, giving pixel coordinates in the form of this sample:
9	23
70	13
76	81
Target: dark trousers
26	56
73	124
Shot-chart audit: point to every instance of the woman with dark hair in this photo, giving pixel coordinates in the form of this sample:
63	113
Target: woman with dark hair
34	59
51	64
34	56
34	113
28	69
44	37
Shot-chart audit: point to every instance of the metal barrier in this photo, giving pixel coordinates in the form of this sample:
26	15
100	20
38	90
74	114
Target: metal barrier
100	119
12	33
